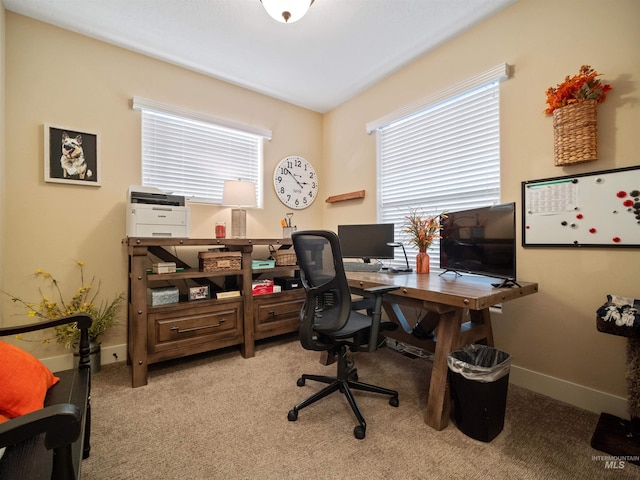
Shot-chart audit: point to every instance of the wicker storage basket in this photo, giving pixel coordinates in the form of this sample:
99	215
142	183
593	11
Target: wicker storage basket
283	257
219	261
575	129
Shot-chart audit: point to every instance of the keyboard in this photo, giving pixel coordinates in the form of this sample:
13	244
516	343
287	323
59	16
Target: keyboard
361	267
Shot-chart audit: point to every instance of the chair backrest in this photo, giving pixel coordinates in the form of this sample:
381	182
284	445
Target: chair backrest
328	303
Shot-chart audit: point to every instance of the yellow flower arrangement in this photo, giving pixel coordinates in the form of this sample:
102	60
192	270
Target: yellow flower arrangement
422	229
84	301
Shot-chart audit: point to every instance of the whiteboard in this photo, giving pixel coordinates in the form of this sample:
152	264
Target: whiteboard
598	209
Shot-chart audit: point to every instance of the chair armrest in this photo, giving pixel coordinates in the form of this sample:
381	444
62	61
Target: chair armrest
377	292
60	423
84	322
380	290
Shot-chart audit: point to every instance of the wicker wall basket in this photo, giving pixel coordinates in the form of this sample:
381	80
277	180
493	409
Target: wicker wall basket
575	129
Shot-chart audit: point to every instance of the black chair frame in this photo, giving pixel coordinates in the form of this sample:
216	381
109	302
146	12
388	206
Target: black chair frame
51	442
348	330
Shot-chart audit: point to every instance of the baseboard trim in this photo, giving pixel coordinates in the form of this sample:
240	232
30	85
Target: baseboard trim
111	354
568	392
562	390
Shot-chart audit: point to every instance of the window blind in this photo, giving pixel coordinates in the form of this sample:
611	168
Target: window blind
444	157
191	155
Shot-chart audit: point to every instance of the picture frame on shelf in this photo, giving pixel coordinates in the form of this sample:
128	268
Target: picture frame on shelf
72	156
201	292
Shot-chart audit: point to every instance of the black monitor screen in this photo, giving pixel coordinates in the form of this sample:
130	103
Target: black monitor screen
366	241
480	240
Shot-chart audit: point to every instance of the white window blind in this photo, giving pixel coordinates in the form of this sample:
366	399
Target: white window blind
444	157
191	155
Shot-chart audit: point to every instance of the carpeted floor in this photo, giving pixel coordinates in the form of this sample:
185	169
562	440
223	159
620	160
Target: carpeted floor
221	416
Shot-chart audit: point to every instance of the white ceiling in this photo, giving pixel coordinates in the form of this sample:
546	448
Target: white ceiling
340	48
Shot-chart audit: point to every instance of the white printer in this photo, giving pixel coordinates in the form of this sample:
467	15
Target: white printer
153	213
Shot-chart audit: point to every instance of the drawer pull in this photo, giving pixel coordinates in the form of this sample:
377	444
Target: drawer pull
195	329
274	314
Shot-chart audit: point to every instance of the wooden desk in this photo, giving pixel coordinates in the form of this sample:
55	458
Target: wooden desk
444	301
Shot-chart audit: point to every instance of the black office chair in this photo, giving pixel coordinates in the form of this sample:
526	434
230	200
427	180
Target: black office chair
328	322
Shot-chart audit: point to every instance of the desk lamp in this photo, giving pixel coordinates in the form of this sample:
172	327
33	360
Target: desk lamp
239	193
396	245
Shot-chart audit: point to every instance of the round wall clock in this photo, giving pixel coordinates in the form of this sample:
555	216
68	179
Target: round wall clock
295	182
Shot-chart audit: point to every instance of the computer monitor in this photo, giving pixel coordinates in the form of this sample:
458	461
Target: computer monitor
366	241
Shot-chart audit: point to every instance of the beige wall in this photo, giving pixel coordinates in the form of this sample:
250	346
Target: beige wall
55	76
552	332
59	77
2	141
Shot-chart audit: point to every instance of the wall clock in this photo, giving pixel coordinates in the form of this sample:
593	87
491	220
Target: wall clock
295	182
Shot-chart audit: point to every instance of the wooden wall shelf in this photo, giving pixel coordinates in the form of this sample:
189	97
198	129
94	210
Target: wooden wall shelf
345	196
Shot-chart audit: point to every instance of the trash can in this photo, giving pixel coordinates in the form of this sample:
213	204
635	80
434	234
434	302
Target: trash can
479	380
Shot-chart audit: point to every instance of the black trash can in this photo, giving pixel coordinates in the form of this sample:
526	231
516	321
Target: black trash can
479	380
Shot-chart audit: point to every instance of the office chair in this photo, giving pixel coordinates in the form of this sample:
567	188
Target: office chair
328	322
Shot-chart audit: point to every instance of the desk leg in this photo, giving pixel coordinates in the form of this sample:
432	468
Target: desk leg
438	402
481	320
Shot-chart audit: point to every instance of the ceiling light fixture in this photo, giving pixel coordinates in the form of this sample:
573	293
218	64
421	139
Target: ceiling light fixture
286	11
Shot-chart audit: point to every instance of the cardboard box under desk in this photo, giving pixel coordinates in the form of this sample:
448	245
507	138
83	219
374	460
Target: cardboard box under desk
219	261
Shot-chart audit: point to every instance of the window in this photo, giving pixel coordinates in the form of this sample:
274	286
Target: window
441	155
192	155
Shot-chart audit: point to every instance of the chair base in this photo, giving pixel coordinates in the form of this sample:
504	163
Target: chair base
346	380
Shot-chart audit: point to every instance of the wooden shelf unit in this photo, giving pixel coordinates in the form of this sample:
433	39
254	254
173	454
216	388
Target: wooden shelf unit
164	332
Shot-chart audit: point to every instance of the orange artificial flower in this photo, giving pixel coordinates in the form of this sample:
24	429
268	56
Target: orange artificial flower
577	89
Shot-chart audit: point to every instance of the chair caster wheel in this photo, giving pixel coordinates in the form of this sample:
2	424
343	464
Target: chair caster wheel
394	402
300	382
292	416
359	432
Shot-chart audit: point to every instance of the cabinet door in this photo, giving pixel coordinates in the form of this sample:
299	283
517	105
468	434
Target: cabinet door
177	328
277	313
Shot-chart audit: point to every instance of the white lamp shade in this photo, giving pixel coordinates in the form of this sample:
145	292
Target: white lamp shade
239	193
286	11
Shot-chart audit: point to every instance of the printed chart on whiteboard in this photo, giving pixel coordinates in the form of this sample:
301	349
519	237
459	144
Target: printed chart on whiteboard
598	209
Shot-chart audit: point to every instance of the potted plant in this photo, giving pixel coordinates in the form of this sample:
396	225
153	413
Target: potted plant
85	300
422	230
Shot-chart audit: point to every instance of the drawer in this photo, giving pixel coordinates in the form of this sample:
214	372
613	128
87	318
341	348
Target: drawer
151	231
193	325
278	312
160	216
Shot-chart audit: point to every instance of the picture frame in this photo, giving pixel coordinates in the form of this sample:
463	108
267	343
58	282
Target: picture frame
200	292
72	156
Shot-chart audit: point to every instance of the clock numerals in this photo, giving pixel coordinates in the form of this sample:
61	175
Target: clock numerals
295	182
